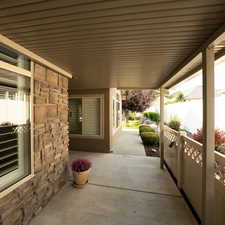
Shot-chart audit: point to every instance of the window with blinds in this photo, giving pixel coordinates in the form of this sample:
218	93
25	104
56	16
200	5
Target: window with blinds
8	149
14	58
85	115
14	128
91	116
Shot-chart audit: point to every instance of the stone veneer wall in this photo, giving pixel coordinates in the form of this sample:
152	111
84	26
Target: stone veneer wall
50	150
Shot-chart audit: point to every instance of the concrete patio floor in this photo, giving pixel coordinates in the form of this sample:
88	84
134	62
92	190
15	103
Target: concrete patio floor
129	143
122	190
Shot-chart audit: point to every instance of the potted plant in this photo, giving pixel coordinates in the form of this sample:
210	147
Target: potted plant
81	169
175	124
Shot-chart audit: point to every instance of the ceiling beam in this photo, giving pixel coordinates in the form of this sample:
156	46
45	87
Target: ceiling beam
196	57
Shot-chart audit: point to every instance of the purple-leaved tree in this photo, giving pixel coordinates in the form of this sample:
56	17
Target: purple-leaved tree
136	100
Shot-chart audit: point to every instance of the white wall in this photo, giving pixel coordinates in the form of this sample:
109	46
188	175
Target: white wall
190	113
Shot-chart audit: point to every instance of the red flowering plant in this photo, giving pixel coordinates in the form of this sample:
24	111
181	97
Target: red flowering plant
219	136
80	165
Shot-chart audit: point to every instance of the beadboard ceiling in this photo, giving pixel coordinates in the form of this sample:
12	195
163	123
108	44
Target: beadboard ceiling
112	43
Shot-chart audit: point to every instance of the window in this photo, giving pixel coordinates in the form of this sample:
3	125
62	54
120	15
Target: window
14	128
85	115
14	58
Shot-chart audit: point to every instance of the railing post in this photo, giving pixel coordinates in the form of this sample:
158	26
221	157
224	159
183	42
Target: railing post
161	128
180	150
208	157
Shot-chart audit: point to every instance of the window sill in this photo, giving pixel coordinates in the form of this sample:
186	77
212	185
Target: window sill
16	185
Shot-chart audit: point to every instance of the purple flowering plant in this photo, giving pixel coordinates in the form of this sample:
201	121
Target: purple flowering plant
80	165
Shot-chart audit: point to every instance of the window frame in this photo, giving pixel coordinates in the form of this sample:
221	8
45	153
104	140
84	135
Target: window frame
23	72
102	116
117	120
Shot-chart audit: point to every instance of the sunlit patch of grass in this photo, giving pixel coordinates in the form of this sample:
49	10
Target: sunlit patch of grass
132	124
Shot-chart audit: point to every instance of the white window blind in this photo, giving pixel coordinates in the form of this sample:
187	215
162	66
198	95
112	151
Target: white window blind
8	150
91	116
14	129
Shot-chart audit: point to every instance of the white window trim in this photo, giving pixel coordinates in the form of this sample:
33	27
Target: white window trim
15	69
116	100
23	72
102	103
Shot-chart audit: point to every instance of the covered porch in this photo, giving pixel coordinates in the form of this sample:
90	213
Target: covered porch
84	52
123	189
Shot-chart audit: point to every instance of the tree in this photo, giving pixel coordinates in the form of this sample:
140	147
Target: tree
136	100
180	97
176	98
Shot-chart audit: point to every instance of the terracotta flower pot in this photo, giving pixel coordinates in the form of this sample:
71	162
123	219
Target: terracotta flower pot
81	178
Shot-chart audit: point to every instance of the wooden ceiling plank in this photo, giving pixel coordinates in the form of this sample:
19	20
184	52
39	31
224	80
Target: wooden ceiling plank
151	24
74	19
123	6
138	30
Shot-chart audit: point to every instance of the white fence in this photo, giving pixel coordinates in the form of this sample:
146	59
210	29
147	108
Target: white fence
183	156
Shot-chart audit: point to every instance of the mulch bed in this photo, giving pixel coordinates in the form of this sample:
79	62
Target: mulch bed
151	151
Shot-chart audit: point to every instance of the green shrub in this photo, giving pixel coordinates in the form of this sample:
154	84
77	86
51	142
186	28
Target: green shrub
150	138
133	116
174	124
145	128
133	124
153	116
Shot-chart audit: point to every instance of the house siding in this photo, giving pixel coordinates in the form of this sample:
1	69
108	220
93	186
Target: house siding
50	111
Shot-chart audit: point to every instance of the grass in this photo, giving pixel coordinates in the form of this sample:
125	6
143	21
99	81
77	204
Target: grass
132	124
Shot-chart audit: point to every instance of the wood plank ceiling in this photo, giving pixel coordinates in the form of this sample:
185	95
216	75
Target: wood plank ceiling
112	43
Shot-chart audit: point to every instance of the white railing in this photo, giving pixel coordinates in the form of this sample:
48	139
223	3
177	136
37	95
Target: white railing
171	154
184	159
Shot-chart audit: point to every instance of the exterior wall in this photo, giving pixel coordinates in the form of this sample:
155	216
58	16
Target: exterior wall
50	150
92	144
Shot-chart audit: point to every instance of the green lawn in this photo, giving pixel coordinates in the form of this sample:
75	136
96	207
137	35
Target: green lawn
132	124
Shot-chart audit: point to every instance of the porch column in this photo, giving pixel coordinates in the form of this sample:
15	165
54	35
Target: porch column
161	128
208	157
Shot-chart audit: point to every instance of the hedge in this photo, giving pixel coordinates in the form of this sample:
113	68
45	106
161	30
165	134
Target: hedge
153	116
145	128
150	138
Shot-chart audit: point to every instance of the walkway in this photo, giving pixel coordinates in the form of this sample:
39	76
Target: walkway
129	143
122	190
